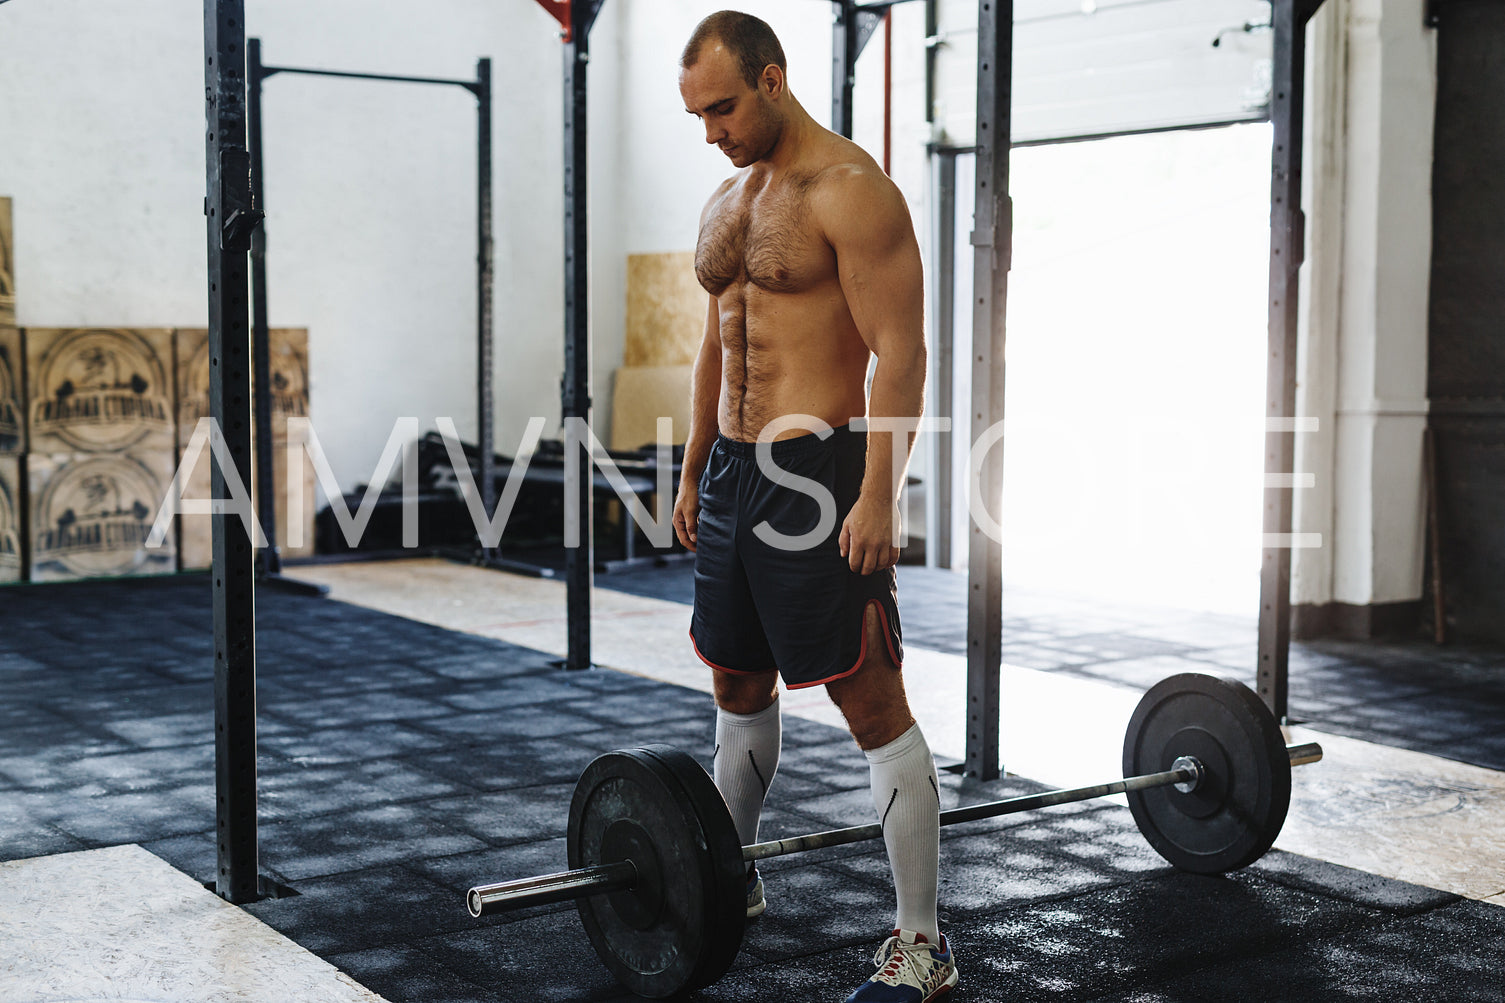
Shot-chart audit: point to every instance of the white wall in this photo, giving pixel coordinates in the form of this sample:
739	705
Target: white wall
1364	367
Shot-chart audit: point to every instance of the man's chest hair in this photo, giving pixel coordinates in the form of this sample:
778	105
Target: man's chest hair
764	235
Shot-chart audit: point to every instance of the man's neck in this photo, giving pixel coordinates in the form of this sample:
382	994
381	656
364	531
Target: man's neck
799	130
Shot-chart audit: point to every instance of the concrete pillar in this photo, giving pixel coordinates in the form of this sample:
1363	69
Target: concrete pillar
1363	362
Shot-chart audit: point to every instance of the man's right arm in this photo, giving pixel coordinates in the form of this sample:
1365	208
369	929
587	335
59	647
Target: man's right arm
705	397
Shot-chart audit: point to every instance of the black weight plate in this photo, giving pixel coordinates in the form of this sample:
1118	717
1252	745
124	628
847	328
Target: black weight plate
1237	810
681	927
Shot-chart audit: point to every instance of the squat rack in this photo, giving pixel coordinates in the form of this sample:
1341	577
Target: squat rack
232	218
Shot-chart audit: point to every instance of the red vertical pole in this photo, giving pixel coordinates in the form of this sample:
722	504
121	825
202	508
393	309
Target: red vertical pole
888	90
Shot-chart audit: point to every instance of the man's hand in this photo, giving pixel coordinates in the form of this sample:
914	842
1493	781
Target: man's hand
867	535
687	514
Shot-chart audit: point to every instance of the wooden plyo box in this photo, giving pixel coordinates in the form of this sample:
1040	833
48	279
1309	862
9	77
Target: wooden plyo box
289	351
12	401
640	395
99	390
666	310
7	264
91	513
10	519
196	536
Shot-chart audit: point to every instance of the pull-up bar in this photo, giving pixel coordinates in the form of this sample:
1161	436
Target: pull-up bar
474	86
269	562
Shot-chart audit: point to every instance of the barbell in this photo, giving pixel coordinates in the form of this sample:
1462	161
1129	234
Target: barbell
660	877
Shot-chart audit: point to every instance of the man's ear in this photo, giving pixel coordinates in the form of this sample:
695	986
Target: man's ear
772	81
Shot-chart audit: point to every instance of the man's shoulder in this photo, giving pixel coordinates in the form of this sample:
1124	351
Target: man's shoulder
842	164
716	196
850	180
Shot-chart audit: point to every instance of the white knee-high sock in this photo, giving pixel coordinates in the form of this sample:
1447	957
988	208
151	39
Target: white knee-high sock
747	756
908	802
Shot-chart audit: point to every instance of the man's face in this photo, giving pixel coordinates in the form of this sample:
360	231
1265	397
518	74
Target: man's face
743	122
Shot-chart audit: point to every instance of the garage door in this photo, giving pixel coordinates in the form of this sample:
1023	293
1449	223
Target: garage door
1086	68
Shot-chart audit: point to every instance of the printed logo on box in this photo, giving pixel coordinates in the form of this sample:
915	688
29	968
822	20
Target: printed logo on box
289	384
289	369
10	538
10	403
93	518
101	391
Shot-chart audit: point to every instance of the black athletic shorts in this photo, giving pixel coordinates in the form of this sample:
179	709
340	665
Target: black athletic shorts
761	606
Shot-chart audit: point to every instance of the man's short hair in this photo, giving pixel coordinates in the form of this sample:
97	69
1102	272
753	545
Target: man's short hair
749	39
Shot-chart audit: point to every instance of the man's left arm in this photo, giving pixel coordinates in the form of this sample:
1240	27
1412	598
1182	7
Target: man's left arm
878	261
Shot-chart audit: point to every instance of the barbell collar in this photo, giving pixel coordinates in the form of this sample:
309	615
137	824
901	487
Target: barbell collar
507	896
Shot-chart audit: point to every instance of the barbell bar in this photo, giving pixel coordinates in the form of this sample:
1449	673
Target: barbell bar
546	889
659	876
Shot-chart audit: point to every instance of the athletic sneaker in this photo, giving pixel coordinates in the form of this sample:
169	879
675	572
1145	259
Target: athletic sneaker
910	970
755	901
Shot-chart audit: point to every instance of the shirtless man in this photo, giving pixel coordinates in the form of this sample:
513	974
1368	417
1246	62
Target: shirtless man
812	265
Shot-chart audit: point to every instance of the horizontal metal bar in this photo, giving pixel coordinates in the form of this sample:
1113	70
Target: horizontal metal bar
471	85
486	900
970	813
1299	755
1019	144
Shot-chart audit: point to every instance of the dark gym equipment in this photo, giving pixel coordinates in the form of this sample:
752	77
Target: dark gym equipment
232	216
1240	803
678	922
659	876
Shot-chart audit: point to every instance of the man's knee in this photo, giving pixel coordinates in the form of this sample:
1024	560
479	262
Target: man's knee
872	701
746	693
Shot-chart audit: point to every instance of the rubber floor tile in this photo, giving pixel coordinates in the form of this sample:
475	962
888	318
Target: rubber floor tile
548	959
1449	955
477	759
1109	943
401	973
379	907
297	790
352	841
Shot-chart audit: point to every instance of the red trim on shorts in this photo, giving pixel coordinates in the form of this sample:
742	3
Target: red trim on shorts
888	634
861	654
718	668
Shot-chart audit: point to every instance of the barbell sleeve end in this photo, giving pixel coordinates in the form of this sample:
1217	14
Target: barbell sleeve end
508	896
1307	752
